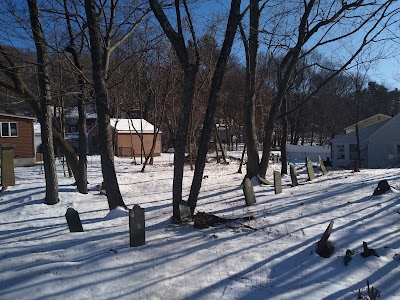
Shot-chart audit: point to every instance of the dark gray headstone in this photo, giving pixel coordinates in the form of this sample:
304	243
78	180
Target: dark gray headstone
293	176
7	166
73	220
277	182
248	191
310	170
383	186
322	165
184	210
324	247
136	226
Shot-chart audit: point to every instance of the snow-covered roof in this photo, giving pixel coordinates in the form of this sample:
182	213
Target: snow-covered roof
132	125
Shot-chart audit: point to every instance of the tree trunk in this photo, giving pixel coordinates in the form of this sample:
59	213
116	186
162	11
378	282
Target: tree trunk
103	113
81	179
45	102
180	139
249	116
208	124
284	169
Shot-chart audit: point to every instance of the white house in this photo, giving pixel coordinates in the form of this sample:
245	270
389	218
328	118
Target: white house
379	145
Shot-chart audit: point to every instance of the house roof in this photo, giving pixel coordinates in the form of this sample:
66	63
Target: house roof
384	126
364	133
132	125
17	117
368	122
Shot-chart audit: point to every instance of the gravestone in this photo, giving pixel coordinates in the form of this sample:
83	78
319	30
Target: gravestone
184	210
136	226
248	191
322	165
383	186
73	220
325	247
293	176
7	166
310	170
277	182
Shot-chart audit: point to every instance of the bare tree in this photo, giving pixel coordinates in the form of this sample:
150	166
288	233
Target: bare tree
103	113
372	17
190	67
209	123
45	102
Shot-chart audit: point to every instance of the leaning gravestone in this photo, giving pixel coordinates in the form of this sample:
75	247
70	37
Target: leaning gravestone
248	191
310	170
293	176
7	166
277	182
325	247
73	220
136	226
322	165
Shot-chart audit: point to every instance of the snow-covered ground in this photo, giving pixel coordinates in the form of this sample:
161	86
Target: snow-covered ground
270	257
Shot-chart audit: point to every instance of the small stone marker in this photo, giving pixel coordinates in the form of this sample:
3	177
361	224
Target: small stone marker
248	191
136	226
277	182
184	210
322	165
368	251
347	257
383	186
325	247
310	170
293	176
7	166
73	220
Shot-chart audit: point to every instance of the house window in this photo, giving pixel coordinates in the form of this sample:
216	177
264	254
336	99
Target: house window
9	129
339	151
353	151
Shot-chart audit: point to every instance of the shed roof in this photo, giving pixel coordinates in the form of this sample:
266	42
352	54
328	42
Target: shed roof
132	125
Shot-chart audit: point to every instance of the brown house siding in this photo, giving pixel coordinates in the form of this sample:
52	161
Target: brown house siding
125	142
24	142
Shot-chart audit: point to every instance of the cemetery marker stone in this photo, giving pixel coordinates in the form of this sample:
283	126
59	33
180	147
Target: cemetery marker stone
7	166
277	182
310	170
136	226
184	210
293	176
73	220
325	247
248	191
322	165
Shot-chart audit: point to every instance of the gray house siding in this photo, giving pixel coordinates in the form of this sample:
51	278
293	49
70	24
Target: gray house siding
384	145
343	147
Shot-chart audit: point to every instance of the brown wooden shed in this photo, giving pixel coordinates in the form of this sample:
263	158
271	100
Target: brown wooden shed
127	137
18	131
